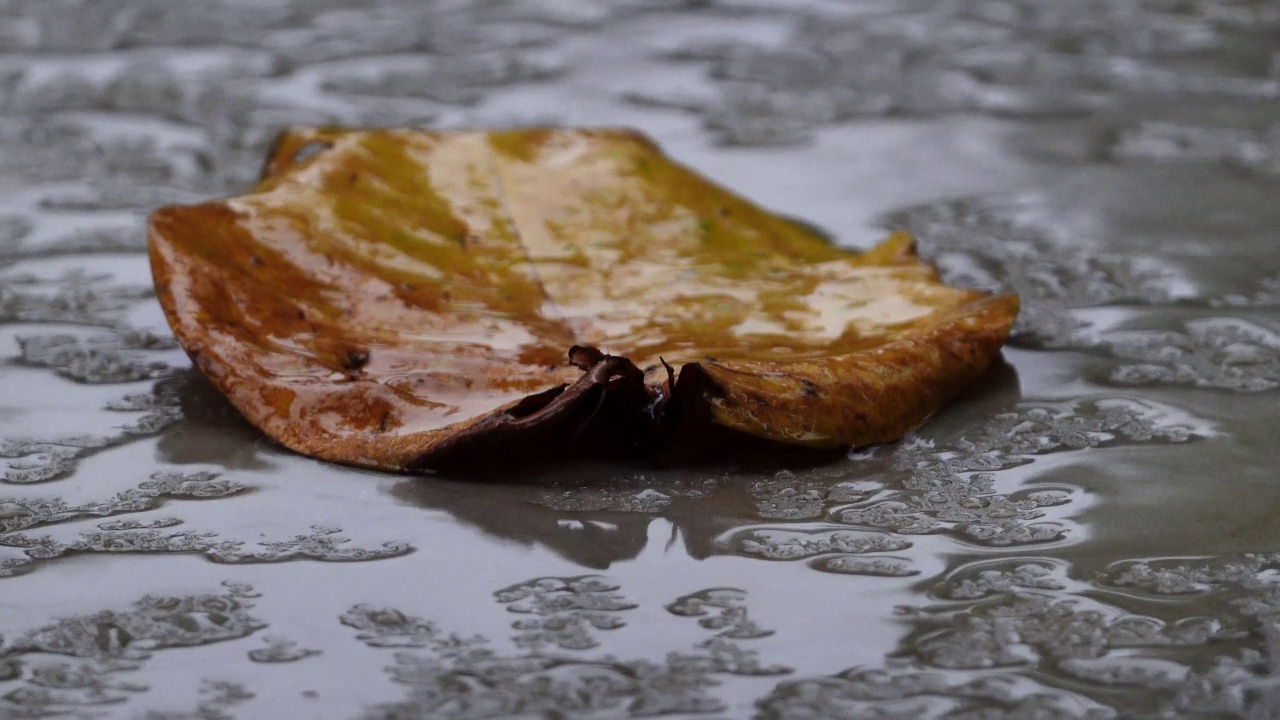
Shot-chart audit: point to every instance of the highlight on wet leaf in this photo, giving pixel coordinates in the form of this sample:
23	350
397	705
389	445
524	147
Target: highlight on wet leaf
415	300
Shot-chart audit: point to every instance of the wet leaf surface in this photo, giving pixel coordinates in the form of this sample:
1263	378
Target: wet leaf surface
412	300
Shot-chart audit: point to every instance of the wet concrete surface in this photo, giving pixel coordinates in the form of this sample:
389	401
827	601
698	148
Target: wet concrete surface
1089	533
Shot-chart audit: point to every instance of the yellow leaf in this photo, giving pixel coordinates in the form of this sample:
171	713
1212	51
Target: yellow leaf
412	300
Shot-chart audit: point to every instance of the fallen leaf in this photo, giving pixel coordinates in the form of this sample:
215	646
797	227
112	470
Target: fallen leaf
413	300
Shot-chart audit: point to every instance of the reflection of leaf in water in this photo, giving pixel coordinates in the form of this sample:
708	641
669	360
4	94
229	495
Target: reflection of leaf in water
594	539
412	300
212	432
954	483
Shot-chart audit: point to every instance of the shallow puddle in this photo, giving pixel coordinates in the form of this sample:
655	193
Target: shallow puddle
1089	533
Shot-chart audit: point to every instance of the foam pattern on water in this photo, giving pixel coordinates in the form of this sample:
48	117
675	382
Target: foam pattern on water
80	662
554	676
